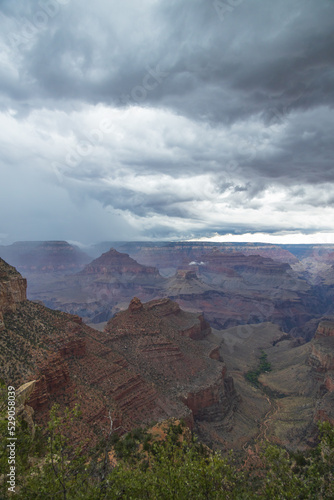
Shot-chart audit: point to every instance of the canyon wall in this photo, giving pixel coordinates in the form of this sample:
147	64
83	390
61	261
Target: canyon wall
322	361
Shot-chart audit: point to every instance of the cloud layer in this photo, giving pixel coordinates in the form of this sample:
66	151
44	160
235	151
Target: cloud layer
158	119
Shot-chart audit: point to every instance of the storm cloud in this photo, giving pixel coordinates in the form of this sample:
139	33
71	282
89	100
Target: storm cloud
155	119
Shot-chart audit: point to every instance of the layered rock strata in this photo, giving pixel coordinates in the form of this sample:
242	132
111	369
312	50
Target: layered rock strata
147	366
322	361
169	347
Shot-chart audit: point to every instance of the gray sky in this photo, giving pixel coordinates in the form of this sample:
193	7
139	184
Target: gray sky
166	118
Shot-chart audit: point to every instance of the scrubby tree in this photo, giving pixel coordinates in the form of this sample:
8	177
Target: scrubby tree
64	471
175	466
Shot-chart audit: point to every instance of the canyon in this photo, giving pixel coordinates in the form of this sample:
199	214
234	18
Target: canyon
228	286
152	362
148	331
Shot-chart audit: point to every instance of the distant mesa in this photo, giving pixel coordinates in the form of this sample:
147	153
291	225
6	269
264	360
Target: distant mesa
45	256
168	257
240	262
112	262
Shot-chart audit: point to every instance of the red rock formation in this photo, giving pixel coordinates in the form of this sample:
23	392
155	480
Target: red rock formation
154	361
171	256
325	329
135	305
54	375
139	371
116	263
163	343
220	262
322	347
198	330
206	397
322	361
75	347
12	288
321	358
329	382
163	307
215	354
96	292
230	288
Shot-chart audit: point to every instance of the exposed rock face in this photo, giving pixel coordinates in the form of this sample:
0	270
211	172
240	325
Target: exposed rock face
169	348
322	348
26	412
229	287
96	292
199	330
171	256
118	264
210	400
12	289
322	361
325	328
155	360
23	393
135	305
217	261
146	367
54	376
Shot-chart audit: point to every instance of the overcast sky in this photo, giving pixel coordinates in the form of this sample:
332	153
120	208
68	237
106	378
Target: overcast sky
166	119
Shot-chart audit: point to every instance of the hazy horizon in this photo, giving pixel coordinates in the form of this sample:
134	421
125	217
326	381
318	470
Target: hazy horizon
288	239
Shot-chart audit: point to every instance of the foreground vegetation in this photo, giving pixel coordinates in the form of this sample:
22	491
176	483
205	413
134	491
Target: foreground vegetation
174	466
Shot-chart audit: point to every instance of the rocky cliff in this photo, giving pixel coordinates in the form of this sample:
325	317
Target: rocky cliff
171	256
325	328
118	264
229	287
12	287
102	288
12	290
171	350
321	360
152	363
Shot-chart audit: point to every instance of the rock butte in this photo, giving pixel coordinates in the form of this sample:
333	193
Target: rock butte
229	287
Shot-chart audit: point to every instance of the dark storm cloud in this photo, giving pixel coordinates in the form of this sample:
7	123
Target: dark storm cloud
264	57
221	112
